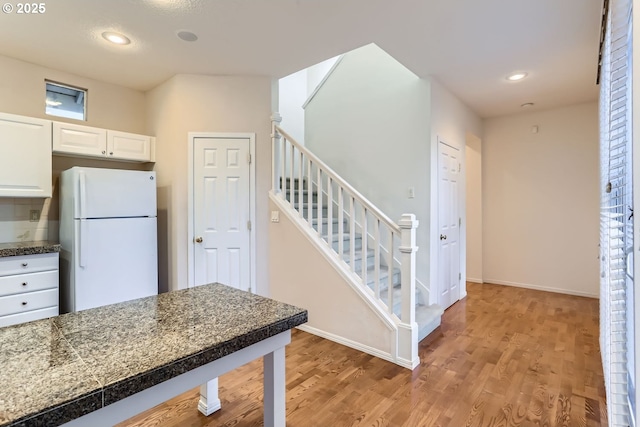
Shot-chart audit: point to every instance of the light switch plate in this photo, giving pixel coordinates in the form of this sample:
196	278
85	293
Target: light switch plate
412	192
275	216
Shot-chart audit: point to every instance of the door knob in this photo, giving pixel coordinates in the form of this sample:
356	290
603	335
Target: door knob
443	237
198	239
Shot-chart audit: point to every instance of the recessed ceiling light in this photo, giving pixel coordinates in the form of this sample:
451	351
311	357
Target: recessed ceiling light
514	77
187	36
116	38
527	105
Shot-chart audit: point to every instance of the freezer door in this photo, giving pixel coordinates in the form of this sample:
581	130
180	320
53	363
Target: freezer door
109	193
115	261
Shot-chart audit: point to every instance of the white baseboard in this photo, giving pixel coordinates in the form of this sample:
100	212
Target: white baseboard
542	288
349	343
474	280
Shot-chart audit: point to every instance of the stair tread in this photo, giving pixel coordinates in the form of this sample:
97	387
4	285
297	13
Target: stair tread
428	319
358	255
429	310
325	220
345	236
304	191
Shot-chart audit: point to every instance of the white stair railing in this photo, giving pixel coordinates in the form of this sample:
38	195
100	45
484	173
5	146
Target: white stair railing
348	223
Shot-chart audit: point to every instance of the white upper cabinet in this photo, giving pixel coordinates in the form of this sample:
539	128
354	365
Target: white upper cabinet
128	146
79	140
85	141
25	156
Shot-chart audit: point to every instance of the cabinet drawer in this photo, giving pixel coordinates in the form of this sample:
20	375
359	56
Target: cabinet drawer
20	303
28	264
28	316
20	283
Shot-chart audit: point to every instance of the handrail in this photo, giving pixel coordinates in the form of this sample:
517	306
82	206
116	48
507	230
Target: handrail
338	179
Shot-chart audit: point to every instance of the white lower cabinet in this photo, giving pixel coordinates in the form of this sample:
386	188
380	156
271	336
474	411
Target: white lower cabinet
28	288
77	140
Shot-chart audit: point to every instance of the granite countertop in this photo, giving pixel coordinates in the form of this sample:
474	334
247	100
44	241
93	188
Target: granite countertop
28	248
55	370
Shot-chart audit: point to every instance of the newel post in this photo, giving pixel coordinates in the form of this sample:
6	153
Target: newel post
408	328
276	118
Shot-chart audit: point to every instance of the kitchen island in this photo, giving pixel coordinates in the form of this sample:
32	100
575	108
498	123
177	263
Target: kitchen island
109	363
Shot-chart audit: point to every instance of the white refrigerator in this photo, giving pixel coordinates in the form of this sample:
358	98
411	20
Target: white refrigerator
108	237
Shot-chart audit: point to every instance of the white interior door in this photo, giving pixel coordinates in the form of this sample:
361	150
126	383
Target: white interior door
221	211
448	225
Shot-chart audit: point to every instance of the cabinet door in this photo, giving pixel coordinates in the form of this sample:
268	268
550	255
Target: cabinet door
128	146
79	140
25	156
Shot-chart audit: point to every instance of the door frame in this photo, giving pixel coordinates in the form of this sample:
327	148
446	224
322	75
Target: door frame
252	201
434	241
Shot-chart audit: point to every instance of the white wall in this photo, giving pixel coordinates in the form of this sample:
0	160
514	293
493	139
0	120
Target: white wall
300	275
473	162
292	95
541	200
294	91
22	91
451	122
370	123
197	103
316	73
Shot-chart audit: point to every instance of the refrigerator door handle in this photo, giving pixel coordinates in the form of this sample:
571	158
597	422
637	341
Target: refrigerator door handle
82	243
82	196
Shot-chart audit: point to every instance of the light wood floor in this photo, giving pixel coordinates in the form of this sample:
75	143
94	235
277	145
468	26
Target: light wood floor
503	357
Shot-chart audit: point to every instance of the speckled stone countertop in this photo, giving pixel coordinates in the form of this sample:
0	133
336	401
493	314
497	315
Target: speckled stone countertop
55	370
28	248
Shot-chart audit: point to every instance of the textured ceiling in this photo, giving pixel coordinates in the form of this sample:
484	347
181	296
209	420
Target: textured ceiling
467	45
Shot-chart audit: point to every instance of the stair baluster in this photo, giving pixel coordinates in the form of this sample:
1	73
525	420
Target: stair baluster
309	192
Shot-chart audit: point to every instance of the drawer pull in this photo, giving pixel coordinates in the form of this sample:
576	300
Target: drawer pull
24	264
24	303
24	283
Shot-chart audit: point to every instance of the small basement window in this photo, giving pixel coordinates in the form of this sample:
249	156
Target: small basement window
65	101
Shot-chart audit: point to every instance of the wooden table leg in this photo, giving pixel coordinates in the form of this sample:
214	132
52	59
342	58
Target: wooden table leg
274	389
209	401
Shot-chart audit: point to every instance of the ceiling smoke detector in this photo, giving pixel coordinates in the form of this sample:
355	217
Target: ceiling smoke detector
187	36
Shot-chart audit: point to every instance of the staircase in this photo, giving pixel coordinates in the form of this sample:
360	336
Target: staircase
377	272
375	255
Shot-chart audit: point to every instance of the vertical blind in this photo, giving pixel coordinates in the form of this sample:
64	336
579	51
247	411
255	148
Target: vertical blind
616	219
